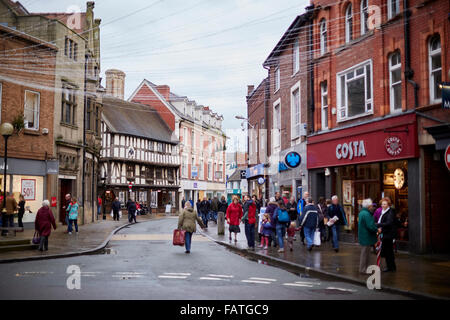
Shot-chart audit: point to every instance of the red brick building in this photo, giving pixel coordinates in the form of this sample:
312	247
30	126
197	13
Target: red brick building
27	88
376	67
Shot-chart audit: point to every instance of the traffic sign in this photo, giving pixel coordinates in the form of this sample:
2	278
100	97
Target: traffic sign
447	157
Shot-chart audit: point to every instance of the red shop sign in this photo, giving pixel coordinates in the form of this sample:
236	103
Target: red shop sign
53	202
384	140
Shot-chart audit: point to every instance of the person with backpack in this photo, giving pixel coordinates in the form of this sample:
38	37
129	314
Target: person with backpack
270	210
309	222
72	210
282	221
249	219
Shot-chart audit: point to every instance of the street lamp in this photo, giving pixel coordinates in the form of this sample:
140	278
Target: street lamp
6	130
244	119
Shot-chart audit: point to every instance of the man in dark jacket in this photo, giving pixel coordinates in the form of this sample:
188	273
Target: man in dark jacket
309	222
249	219
271	207
215	207
116	209
204	209
335	210
131	208
183	202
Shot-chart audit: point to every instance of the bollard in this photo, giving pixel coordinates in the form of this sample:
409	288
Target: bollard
221	223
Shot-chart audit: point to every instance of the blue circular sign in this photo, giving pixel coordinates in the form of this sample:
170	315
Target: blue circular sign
293	159
261	180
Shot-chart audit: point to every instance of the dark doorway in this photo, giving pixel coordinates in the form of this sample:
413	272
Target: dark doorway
65	188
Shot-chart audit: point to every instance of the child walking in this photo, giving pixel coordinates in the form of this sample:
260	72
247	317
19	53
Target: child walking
266	231
291	234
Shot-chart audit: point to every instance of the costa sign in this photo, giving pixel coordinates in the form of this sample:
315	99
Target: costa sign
350	150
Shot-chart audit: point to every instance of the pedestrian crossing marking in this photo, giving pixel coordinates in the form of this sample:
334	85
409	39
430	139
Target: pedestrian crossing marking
172	277
214	279
176	274
263	279
153	237
298	285
220	276
256	281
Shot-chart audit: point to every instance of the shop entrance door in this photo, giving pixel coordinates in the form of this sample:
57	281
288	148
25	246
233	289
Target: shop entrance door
65	188
362	190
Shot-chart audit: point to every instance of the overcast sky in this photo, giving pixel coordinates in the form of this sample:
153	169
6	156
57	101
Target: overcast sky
208	50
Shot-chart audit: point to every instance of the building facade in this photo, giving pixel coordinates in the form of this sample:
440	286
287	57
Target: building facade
377	67
30	95
139	157
202	141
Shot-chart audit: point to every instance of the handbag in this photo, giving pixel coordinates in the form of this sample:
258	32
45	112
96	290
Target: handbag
317	241
36	238
178	237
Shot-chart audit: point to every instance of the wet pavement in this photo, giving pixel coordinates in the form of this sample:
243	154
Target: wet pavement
141	263
90	236
422	274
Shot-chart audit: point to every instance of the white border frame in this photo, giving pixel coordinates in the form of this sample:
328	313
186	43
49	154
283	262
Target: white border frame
391	95
36	128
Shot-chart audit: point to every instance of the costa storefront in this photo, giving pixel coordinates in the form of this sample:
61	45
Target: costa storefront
371	160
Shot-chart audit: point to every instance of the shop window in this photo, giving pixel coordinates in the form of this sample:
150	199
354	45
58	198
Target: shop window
354	92
395	82
435	68
348	23
31	109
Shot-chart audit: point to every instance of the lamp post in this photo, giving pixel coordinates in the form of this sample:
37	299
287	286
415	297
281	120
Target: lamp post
6	130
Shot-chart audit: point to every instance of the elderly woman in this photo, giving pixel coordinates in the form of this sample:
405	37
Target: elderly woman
367	234
234	217
43	224
388	228
187	222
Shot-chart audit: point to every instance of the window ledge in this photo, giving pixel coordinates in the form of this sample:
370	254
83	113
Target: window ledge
32	132
355	117
71	126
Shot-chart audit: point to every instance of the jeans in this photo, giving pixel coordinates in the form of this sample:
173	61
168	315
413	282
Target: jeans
74	221
131	217
274	238
250	234
205	219
188	240
43	245
116	215
7	221
281	231
335	236
309	235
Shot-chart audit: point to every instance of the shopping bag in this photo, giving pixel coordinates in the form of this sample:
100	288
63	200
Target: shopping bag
178	237
36	238
112	214
317	241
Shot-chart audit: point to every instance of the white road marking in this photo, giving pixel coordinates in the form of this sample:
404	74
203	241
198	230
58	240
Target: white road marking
130	273
341	289
173	277
220	276
126	276
255	281
217	279
263	279
298	285
177	274
311	283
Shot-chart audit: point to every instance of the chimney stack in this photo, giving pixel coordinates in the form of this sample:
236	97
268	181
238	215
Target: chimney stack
250	89
115	83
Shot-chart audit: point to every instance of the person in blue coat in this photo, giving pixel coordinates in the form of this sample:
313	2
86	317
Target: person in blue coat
309	222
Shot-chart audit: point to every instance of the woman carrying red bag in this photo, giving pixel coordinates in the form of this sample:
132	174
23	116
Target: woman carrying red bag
186	222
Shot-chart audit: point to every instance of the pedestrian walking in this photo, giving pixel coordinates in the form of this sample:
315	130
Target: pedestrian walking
131	208
8	216
183	202
387	225
21	210
223	205
291	234
187	222
43	224
204	209
67	200
249	219
215	207
367	234
271	207
72	210
234	216
322	211
292	209
266	231
99	206
302	206
197	205
116	209
282	221
309	222
335	210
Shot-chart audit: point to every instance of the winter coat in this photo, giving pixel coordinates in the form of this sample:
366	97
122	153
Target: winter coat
292	210
183	202
223	205
187	219
11	205
367	229
44	221
234	214
215	204
275	218
292	230
310	217
271	207
22	207
388	224
336	210
266	229
116	206
322	211
204	206
249	212
377	214
73	211
131	207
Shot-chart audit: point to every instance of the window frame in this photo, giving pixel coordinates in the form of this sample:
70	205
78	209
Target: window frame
349	23
277	78
296	57
390	12
364	15
393	68
340	94
431	54
295	114
35	112
69	91
323	33
324	108
278	122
